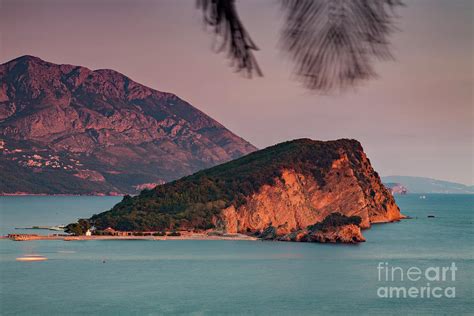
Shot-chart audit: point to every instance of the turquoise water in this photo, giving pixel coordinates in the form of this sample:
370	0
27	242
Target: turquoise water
232	277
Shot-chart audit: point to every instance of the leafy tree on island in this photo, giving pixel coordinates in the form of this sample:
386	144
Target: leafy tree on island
79	228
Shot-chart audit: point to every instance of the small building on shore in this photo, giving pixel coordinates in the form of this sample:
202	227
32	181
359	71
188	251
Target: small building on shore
113	232
109	231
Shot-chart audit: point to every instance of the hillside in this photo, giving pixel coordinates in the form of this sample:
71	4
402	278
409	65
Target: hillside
428	185
67	129
284	188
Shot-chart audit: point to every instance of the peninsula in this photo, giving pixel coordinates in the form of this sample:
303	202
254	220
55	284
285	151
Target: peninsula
301	190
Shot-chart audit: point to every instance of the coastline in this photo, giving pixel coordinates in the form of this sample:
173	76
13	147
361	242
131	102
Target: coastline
192	236
184	235
388	221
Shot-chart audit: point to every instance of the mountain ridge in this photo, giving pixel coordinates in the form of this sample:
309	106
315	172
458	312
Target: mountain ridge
429	185
108	132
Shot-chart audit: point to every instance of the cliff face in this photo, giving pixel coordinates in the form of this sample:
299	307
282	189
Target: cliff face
295	200
279	192
100	130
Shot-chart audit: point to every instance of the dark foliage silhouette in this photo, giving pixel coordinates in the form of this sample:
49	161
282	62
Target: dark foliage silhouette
222	17
332	42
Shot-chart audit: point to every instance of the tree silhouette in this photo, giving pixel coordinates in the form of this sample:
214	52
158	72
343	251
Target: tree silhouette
333	43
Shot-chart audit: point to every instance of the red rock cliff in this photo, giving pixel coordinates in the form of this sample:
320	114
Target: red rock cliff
296	200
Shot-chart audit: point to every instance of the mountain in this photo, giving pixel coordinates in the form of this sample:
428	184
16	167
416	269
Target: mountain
281	191
68	129
428	185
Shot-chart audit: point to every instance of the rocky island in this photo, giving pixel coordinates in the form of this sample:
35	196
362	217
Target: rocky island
301	190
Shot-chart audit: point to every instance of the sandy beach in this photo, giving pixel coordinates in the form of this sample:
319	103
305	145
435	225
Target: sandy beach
187	236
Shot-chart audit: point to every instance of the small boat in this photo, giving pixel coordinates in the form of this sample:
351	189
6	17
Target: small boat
29	258
56	228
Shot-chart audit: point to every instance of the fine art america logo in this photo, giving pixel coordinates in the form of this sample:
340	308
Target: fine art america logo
416	282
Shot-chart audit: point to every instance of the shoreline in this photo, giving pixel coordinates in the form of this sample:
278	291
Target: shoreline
394	220
193	236
183	236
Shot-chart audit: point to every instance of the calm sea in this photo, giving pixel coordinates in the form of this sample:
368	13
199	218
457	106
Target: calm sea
236	277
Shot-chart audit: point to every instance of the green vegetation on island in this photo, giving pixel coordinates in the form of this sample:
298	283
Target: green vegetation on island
193	201
335	220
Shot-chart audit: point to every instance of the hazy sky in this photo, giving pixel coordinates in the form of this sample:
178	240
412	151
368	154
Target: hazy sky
415	119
